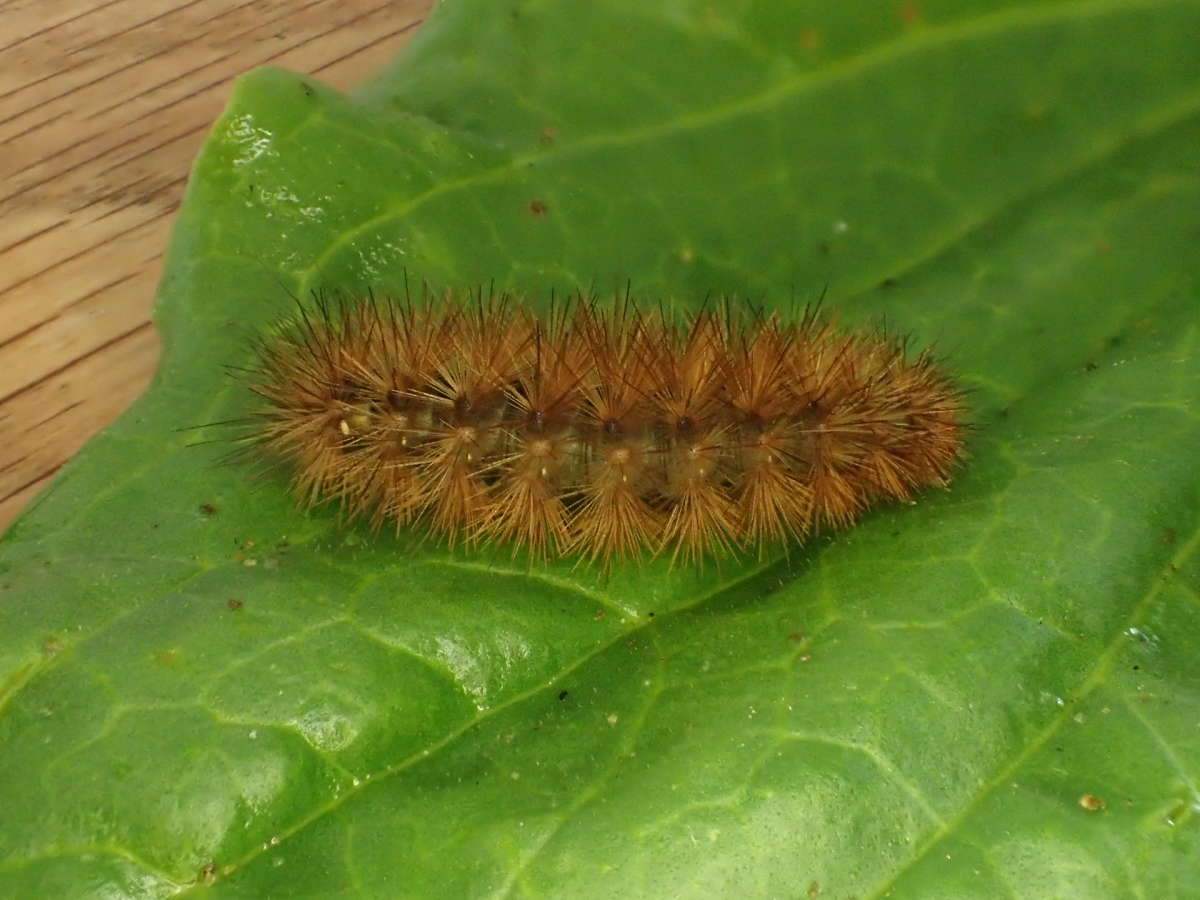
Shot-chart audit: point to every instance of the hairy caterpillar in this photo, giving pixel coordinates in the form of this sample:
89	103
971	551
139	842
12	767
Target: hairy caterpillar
601	430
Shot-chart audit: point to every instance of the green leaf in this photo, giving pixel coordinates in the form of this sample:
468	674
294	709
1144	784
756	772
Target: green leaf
203	690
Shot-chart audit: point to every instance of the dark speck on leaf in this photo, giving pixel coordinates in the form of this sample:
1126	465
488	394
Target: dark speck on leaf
538	208
1091	366
562	695
888	283
208	509
234	604
308	89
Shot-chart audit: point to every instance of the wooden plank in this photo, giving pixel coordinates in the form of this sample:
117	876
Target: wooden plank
103	106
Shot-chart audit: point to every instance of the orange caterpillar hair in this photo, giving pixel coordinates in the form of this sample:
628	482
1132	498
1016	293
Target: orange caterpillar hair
602	430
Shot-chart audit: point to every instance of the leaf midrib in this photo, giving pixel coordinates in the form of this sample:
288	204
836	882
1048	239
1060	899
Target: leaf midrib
431	750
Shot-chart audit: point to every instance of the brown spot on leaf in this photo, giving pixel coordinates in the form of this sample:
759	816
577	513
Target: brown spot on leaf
538	208
811	39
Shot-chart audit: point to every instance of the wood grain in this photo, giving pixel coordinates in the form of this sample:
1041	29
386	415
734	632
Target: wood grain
103	106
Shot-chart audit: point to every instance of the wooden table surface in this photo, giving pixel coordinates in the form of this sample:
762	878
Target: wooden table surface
103	106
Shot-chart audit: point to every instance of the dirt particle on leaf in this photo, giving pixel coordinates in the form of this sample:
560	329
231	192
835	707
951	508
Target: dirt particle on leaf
207	509
234	604
1176	814
548	135
563	695
796	637
209	873
538	208
1091	803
